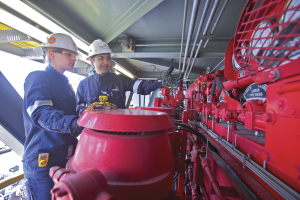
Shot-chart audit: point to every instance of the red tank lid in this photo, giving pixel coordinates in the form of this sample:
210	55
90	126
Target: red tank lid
125	120
169	111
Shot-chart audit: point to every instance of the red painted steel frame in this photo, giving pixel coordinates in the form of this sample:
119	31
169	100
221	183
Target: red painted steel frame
181	176
278	117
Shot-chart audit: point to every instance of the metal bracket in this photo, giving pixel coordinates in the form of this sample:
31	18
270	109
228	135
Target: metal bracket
13	36
219	138
245	159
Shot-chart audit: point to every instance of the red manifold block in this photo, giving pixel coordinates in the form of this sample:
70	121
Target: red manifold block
131	148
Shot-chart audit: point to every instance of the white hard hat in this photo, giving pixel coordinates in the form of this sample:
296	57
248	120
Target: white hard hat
98	47
57	40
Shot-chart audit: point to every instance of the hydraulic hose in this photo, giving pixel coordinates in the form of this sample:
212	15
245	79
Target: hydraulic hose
238	179
213	88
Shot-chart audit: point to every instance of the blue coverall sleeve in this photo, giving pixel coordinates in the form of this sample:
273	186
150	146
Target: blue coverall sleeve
141	86
39	104
80	102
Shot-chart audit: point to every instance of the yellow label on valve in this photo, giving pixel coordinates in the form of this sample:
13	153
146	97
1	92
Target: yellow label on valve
43	159
103	98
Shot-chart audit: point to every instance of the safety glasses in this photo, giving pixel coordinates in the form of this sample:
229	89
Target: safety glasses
102	58
68	54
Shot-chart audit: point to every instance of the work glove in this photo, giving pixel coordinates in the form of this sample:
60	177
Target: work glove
74	129
169	80
81	111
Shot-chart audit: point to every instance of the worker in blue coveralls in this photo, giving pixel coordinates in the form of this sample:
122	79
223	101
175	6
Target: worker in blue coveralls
104	83
50	117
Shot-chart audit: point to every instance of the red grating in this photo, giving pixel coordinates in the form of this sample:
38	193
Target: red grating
267	39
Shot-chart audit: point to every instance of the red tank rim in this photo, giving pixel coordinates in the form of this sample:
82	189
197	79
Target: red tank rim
126	120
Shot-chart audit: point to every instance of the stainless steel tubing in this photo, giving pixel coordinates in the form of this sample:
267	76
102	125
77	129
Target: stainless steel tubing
217	21
198	31
217	65
211	15
238	179
284	190
183	30
191	29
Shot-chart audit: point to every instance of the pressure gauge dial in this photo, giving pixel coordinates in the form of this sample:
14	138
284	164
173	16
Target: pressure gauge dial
289	16
263	30
292	14
243	50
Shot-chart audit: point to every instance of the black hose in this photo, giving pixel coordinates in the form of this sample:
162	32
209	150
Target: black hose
238	179
195	132
213	88
219	84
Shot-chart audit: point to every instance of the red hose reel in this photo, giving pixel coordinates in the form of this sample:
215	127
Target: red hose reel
267	40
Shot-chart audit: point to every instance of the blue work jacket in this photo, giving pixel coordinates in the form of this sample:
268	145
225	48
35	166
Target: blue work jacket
48	109
113	86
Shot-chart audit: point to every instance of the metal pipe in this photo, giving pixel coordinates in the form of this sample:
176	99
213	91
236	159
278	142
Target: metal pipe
213	10
154	94
217	65
284	190
129	100
191	29
198	31
217	21
212	181
139	100
183	29
238	179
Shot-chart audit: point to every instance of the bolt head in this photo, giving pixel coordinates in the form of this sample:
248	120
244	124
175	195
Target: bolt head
293	112
280	103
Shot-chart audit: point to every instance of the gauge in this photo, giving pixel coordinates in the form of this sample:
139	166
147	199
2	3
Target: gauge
293	55
263	30
292	14
244	51
236	65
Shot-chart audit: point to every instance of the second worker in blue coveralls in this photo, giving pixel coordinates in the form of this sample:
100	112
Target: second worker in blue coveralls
102	82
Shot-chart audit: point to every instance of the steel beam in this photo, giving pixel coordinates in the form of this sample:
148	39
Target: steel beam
146	75
54	13
11	117
11	142
13	36
125	64
170	55
162	63
9	48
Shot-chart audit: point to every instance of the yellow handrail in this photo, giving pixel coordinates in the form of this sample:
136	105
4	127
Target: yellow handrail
11	180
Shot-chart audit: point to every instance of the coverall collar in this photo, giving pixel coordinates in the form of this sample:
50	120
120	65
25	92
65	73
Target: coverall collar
56	75
97	76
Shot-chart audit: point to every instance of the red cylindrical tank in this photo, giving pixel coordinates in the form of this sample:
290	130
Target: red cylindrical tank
169	111
130	148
